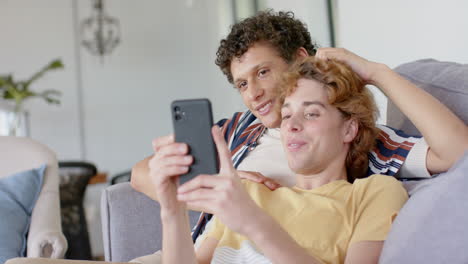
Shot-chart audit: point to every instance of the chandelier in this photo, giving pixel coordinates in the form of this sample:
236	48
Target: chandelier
100	32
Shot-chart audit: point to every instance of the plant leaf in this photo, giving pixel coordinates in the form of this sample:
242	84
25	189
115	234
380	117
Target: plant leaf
49	95
56	64
19	91
53	65
4	80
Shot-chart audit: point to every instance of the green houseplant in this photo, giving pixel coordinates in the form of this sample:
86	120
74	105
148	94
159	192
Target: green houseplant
18	91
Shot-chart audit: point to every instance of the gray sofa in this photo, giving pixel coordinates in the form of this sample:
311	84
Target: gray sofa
131	224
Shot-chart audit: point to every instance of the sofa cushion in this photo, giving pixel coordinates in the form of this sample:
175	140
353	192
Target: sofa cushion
431	226
447	81
18	195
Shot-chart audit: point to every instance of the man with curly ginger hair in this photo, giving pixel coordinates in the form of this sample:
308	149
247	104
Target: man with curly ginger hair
253	55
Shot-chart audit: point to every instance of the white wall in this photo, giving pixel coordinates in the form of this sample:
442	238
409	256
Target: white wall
32	34
398	31
313	13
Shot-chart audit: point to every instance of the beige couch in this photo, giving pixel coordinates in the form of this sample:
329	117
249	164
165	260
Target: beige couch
45	238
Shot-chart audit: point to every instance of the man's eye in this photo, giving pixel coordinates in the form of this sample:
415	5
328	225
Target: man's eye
284	117
262	72
311	115
241	85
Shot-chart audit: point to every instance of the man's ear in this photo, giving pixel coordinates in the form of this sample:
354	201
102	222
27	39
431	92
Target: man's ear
351	128
302	53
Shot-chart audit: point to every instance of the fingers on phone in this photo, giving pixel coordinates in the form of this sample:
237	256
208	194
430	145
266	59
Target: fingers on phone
201	181
170	166
162	141
172	149
197	194
221	146
185	160
171	171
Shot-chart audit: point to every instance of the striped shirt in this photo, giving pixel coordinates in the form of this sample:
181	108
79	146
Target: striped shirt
243	130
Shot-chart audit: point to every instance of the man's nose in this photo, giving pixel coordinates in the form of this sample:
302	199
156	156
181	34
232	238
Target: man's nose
255	91
294	124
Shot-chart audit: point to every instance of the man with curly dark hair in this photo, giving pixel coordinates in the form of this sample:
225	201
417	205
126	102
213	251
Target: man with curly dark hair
280	30
253	56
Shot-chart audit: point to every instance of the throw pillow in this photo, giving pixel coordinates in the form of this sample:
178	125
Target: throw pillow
446	81
18	195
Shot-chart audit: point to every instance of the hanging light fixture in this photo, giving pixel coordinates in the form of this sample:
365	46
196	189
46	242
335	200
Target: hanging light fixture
100	33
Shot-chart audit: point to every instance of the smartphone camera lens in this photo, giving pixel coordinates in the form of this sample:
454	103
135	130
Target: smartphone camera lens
177	113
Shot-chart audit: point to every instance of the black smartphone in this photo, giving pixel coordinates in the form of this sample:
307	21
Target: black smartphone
192	120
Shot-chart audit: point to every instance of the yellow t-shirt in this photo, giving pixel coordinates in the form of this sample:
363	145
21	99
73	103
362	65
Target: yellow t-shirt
325	221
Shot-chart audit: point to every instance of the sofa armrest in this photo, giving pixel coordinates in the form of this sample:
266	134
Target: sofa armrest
45	238
131	224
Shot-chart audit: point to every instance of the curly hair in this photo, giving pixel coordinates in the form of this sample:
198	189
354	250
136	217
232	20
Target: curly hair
348	93
281	30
